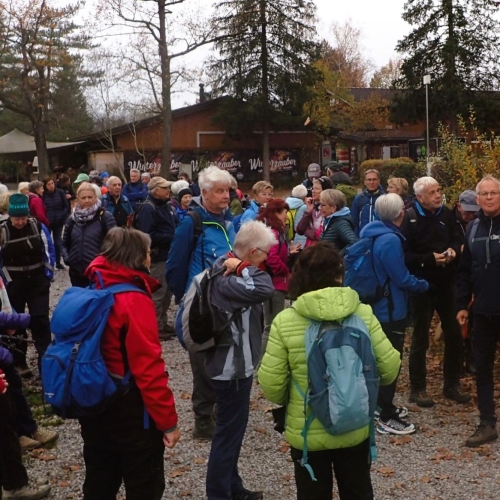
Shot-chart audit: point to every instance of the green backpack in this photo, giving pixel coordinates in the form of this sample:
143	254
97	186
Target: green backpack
290	224
350	192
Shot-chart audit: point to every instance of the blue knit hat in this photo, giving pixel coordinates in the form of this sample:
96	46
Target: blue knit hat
18	205
102	175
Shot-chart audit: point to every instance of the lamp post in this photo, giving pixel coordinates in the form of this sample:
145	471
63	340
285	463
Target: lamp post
427	81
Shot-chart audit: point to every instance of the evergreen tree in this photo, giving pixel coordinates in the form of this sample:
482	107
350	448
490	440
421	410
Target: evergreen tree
457	43
266	56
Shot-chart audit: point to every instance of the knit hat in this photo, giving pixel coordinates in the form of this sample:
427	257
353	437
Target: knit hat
82	178
183	192
94	174
103	175
18	205
178	185
326	182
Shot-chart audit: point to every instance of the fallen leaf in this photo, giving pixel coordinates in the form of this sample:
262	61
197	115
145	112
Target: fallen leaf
199	461
425	479
185	395
386	471
46	457
261	430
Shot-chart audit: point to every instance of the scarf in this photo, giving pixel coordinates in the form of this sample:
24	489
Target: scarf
82	215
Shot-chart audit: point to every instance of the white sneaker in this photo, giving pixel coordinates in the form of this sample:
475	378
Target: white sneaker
401	412
395	426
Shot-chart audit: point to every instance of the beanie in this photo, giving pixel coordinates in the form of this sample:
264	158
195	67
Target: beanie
183	192
325	182
18	205
102	175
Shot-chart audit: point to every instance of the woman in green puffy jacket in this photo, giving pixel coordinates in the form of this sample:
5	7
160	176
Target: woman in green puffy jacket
316	287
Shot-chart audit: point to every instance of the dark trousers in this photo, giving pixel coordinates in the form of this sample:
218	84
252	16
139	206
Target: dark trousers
57	238
13	474
486	335
116	447
441	300
395	332
31	290
78	279
203	397
352	472
233	406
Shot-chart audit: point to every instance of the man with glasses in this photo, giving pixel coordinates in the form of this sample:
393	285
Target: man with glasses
479	275
431	247
363	206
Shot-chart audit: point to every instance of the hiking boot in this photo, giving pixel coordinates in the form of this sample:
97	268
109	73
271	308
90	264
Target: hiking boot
420	398
28	443
395	425
59	266
27	493
484	433
454	394
401	412
45	436
169	329
203	428
248	495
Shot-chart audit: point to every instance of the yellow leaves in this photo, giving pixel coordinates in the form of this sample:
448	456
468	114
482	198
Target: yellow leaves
385	471
400	440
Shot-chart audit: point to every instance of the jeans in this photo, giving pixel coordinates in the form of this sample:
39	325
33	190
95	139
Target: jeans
57	237
203	397
395	332
233	406
350	465
442	300
272	308
163	296
486	336
116	447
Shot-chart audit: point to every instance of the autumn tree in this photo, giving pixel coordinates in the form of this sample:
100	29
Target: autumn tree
385	77
35	40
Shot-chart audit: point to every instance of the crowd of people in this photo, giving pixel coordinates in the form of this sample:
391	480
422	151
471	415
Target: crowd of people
159	235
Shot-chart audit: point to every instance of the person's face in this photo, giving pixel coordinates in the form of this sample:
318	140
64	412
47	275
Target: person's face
216	199
19	222
257	256
282	216
162	193
183	178
134	176
186	200
25	191
51	186
489	198
372	182
86	198
326	209
391	188
115	188
431	197
316	191
145	180
264	196
466	216
39	191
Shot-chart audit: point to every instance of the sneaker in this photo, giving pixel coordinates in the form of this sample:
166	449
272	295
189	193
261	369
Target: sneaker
420	398
484	433
28	443
454	394
203	428
248	495
27	493
401	412
45	435
395	426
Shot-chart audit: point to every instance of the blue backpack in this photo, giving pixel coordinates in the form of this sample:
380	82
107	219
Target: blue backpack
360	274
76	382
343	380
237	221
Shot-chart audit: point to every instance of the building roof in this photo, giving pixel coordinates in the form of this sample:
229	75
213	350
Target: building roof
19	142
363	93
379	135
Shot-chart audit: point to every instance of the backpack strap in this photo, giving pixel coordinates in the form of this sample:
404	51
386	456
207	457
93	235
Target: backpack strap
197	232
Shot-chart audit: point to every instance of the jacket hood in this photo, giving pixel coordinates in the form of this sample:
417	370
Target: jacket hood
196	201
294	203
343	212
378	228
113	274
328	304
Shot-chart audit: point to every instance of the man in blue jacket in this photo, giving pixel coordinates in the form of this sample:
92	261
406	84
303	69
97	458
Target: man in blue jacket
116	203
479	275
135	190
190	255
363	207
392	311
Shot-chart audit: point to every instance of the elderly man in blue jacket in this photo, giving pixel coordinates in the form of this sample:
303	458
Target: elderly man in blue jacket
189	255
135	190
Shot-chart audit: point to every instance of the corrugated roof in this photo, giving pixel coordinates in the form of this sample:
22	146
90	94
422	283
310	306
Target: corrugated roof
19	142
363	93
379	135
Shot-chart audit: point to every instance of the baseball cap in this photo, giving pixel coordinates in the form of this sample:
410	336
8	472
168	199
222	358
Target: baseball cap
313	170
160	182
82	178
468	201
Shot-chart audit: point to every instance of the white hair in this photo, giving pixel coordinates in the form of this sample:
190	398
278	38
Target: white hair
178	186
146	174
112	179
299	191
389	206
254	234
136	170
422	183
487	178
213	175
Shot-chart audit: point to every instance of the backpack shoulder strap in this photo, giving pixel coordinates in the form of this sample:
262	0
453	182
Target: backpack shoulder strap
197	226
125	287
473	231
411	213
104	227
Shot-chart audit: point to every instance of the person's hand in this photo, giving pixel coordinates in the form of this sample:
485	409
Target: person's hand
68	197
450	255
462	317
170	438
309	204
440	259
295	248
3	383
231	265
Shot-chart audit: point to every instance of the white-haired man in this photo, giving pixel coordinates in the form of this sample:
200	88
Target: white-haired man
431	247
115	202
135	190
203	236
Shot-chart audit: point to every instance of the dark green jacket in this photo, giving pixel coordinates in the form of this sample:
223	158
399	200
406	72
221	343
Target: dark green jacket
339	229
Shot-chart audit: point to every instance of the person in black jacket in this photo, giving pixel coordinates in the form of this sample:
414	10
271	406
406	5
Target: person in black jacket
479	275
431	247
84	232
57	208
157	218
64	183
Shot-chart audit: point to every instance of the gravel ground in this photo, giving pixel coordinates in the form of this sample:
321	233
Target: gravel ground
431	464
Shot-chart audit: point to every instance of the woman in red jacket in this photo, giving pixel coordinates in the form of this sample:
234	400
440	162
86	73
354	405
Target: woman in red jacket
35	202
127	441
274	215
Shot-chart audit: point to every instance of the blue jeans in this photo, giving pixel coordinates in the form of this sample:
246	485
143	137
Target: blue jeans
232	398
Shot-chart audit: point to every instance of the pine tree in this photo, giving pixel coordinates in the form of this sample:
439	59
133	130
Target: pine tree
265	60
457	43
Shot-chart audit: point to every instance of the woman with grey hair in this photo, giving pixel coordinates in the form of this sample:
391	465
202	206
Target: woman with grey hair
145	178
35	202
297	203
338	226
392	309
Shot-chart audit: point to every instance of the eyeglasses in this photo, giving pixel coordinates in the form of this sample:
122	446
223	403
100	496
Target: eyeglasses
263	251
492	194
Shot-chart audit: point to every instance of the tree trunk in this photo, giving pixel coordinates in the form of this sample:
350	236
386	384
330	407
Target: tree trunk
41	150
265	91
166	111
451	71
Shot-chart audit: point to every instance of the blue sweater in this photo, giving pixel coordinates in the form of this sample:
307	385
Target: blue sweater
135	192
